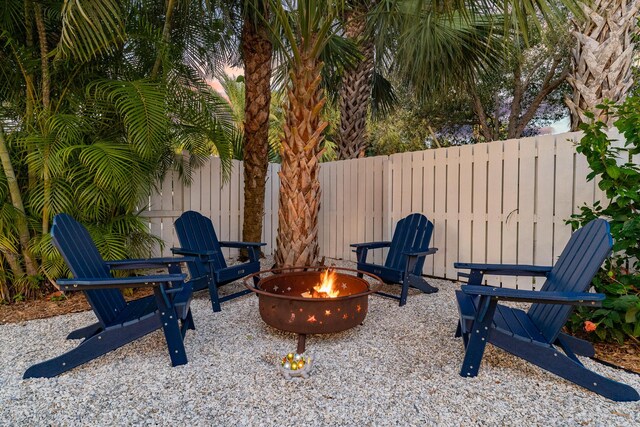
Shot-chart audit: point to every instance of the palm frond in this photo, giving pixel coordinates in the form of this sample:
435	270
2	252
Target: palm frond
443	50
383	96
90	28
141	104
12	16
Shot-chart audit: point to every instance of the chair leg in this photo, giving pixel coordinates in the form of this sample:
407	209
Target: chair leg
171	329
91	348
458	330
213	293
187	324
404	292
175	344
477	338
552	360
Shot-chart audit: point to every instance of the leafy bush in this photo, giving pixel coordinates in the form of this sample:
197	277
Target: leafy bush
619	177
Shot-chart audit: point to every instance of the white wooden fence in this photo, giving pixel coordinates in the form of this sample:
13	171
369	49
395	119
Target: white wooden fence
501	202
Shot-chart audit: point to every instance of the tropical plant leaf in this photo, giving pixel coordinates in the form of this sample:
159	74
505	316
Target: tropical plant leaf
90	28
141	104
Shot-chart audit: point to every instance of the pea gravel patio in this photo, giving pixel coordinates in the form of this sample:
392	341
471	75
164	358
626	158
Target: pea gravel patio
399	368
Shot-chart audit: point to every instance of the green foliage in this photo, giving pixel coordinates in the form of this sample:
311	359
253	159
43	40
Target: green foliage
619	177
115	123
439	121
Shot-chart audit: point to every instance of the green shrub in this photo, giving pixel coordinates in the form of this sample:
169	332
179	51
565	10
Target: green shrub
619	177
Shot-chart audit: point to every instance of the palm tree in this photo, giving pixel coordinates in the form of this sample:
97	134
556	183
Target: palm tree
309	31
88	128
602	58
355	89
257	51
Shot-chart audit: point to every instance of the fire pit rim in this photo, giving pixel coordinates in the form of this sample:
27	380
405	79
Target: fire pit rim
372	288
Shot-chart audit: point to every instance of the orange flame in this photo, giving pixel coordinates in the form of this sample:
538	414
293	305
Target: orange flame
328	284
326	288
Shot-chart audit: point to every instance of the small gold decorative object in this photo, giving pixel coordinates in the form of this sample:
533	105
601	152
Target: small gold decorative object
295	365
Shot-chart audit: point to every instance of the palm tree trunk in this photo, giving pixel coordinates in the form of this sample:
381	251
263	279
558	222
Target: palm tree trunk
14	265
355	91
256	52
299	205
16	200
44	56
602	58
46	102
166	36
29	91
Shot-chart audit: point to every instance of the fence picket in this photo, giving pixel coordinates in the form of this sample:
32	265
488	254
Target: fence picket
451	254
378	215
340	211
428	204
563	195
526	208
479	204
440	214
494	208
465	197
510	185
354	219
545	174
275	200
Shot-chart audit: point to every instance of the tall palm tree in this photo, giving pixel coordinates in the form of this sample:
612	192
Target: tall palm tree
257	51
356	82
309	31
602	58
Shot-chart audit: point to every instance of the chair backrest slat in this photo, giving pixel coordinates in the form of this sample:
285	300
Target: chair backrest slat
573	272
196	232
412	234
83	259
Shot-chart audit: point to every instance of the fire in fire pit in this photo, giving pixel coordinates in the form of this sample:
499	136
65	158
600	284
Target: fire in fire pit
327	287
312	300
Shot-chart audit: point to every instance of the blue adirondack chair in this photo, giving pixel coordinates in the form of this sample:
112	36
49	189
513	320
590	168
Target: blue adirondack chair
119	322
536	335
407	252
198	239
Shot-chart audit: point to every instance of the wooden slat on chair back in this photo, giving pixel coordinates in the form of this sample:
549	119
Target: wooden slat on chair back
83	259
195	232
412	234
573	272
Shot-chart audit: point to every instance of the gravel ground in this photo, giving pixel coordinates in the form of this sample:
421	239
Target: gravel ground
399	368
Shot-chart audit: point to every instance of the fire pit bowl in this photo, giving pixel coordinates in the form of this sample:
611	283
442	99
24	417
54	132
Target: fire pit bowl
283	306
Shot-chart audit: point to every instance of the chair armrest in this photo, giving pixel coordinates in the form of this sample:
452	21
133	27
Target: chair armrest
112	282
430	251
241	245
371	245
519	295
194	253
140	264
506	269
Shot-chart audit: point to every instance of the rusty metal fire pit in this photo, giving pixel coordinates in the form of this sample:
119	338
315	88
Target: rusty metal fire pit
283	306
